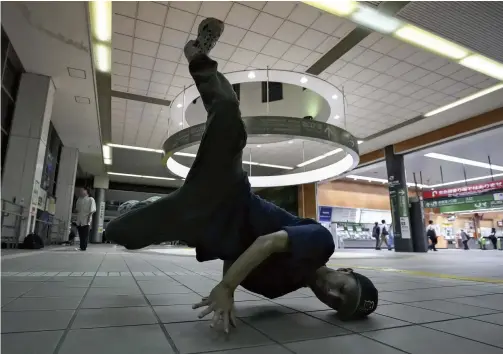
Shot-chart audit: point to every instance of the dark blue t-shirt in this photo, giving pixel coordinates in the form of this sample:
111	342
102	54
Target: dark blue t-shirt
241	220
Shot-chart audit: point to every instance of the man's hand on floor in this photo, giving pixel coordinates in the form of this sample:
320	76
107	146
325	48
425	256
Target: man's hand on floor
221	303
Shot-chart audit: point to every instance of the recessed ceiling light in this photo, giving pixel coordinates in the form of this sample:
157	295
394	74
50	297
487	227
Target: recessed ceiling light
181	123
334	97
336	116
259	146
360	142
107	152
251	75
107	161
179	105
303	80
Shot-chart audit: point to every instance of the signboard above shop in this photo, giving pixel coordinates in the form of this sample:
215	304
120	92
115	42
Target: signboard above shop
476	189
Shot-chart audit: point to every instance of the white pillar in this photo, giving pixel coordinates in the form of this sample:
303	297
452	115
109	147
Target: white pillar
27	145
65	187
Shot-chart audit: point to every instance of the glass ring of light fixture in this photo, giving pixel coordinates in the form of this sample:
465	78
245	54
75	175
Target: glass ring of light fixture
283	127
325	89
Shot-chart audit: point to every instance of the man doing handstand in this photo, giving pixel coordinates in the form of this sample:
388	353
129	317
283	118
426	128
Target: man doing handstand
265	249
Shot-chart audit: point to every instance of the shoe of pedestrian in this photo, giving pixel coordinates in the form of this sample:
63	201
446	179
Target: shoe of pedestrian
209	31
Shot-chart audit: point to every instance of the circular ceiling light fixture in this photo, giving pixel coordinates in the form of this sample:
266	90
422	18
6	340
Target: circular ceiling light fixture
303	80
286	127
179	105
251	75
336	116
334	96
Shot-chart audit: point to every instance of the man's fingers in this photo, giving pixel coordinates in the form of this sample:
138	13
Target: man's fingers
204	302
216	318
206	311
234	322
226	322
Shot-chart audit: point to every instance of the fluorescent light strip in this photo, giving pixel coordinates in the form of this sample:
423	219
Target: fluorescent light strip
129	147
339	7
484	65
188	154
375	20
467	180
464	100
321	157
101	12
434	155
381	180
140	176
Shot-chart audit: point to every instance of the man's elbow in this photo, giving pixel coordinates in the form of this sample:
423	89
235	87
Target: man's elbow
273	243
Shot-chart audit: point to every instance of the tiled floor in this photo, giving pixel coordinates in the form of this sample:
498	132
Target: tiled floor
111	301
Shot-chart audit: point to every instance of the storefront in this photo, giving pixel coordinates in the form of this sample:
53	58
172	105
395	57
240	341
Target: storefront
476	209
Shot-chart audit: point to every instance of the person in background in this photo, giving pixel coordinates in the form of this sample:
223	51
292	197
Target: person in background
432	235
376	233
465	238
86	207
493	238
383	231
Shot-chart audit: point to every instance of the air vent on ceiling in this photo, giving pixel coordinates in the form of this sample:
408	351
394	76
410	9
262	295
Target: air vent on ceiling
76	73
83	100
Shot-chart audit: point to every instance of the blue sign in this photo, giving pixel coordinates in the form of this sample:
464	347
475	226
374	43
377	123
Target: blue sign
325	214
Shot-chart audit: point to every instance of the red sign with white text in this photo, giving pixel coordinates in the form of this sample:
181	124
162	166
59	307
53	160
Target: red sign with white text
464	190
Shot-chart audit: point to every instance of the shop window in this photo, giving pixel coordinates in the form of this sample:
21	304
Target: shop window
275	91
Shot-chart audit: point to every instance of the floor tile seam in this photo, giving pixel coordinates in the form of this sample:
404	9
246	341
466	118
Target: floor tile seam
489	314
83	308
447	313
35	331
459	297
459	336
75	314
167	274
245	347
158	319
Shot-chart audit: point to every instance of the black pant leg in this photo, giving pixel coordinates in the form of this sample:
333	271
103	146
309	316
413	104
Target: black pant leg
84	236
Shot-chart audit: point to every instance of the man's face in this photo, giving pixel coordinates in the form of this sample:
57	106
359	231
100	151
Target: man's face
83	192
337	289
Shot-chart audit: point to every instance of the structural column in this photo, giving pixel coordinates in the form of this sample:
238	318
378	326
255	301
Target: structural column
307	201
65	189
26	152
399	200
100	185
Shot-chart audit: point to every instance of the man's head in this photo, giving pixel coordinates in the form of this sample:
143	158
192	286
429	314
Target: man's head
430	222
376	223
383	221
84	192
352	295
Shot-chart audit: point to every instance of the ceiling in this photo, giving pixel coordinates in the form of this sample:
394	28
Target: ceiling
48	43
475	147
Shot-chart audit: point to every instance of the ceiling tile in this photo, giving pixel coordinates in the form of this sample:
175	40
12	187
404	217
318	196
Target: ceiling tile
180	20
223	51
241	16
434	63
442	84
349	70
284	65
364	90
385	45
174	91
409	89
296	54
404	102
366	58
180	81
275	48
254	41
421	94
138	84
152	12
140	73
183	70
300	68
429	79
311	59
123	25
304	14
120	80
120	69
365	75
262	61
231	67
337	80
122	42
384	64
279	8
475	79
195	26
344	29
174	37
144	47
486	83
326	23
362	102
159	88
372	38
120	56
189	6
416	105
419	58
436	97
462	74
232	35
148	31
169	53
457	87
378	94
161	78
351	86
127	8
311	39
415	74
403	51
216	9
266	24
243	56
255	4
334	67
165	66
289	32
449	69
395	85
328	44
399	69
381	80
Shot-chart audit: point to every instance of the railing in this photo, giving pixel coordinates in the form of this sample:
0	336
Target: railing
51	231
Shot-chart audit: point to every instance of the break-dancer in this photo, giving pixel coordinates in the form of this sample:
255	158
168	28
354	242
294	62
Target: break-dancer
265	249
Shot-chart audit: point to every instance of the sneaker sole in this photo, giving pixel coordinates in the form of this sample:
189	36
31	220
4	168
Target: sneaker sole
209	32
